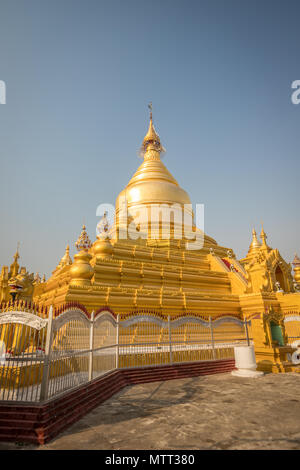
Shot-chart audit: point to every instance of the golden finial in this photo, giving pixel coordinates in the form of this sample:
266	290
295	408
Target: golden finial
151	140
296	261
66	258
264	237
150	107
83	242
14	267
17	256
255	244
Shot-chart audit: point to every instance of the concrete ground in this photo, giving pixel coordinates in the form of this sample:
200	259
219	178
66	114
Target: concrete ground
208	412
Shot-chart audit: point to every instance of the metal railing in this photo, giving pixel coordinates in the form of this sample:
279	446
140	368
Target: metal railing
45	357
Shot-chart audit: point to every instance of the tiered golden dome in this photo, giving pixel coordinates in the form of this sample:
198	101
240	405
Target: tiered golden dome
152	183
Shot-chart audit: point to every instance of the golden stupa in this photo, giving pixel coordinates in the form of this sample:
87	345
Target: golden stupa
151	271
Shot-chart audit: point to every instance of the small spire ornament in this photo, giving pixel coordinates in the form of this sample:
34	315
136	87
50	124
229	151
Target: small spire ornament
255	244
296	264
296	261
81	271
102	226
151	145
83	242
264	237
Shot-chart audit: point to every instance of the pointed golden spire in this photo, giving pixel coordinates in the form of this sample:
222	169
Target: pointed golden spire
296	261
264	237
14	267
17	256
83	242
151	146
67	254
255	244
66	259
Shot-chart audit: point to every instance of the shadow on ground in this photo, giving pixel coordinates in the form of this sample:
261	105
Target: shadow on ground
208	412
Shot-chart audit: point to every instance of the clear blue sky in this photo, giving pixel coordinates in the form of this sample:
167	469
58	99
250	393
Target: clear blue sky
79	75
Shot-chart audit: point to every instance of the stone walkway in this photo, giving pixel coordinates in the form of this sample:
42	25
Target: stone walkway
208	412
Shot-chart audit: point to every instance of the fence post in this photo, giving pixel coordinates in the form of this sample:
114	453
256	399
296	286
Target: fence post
47	359
170	340
212	337
91	347
247	333
117	342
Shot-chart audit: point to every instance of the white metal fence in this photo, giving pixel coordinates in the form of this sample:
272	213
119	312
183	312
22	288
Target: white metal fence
45	357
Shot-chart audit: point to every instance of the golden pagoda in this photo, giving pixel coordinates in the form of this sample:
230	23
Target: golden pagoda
129	271
133	265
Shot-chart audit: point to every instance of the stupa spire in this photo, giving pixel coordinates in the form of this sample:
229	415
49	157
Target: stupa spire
151	146
14	267
264	237
255	244
296	261
66	259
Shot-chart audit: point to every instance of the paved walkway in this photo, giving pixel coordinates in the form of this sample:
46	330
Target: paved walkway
209	412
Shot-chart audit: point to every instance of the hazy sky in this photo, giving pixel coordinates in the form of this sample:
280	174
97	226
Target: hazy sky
79	76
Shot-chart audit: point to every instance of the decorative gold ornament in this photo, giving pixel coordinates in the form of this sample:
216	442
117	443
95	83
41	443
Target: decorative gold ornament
151	143
296	264
81	271
83	242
